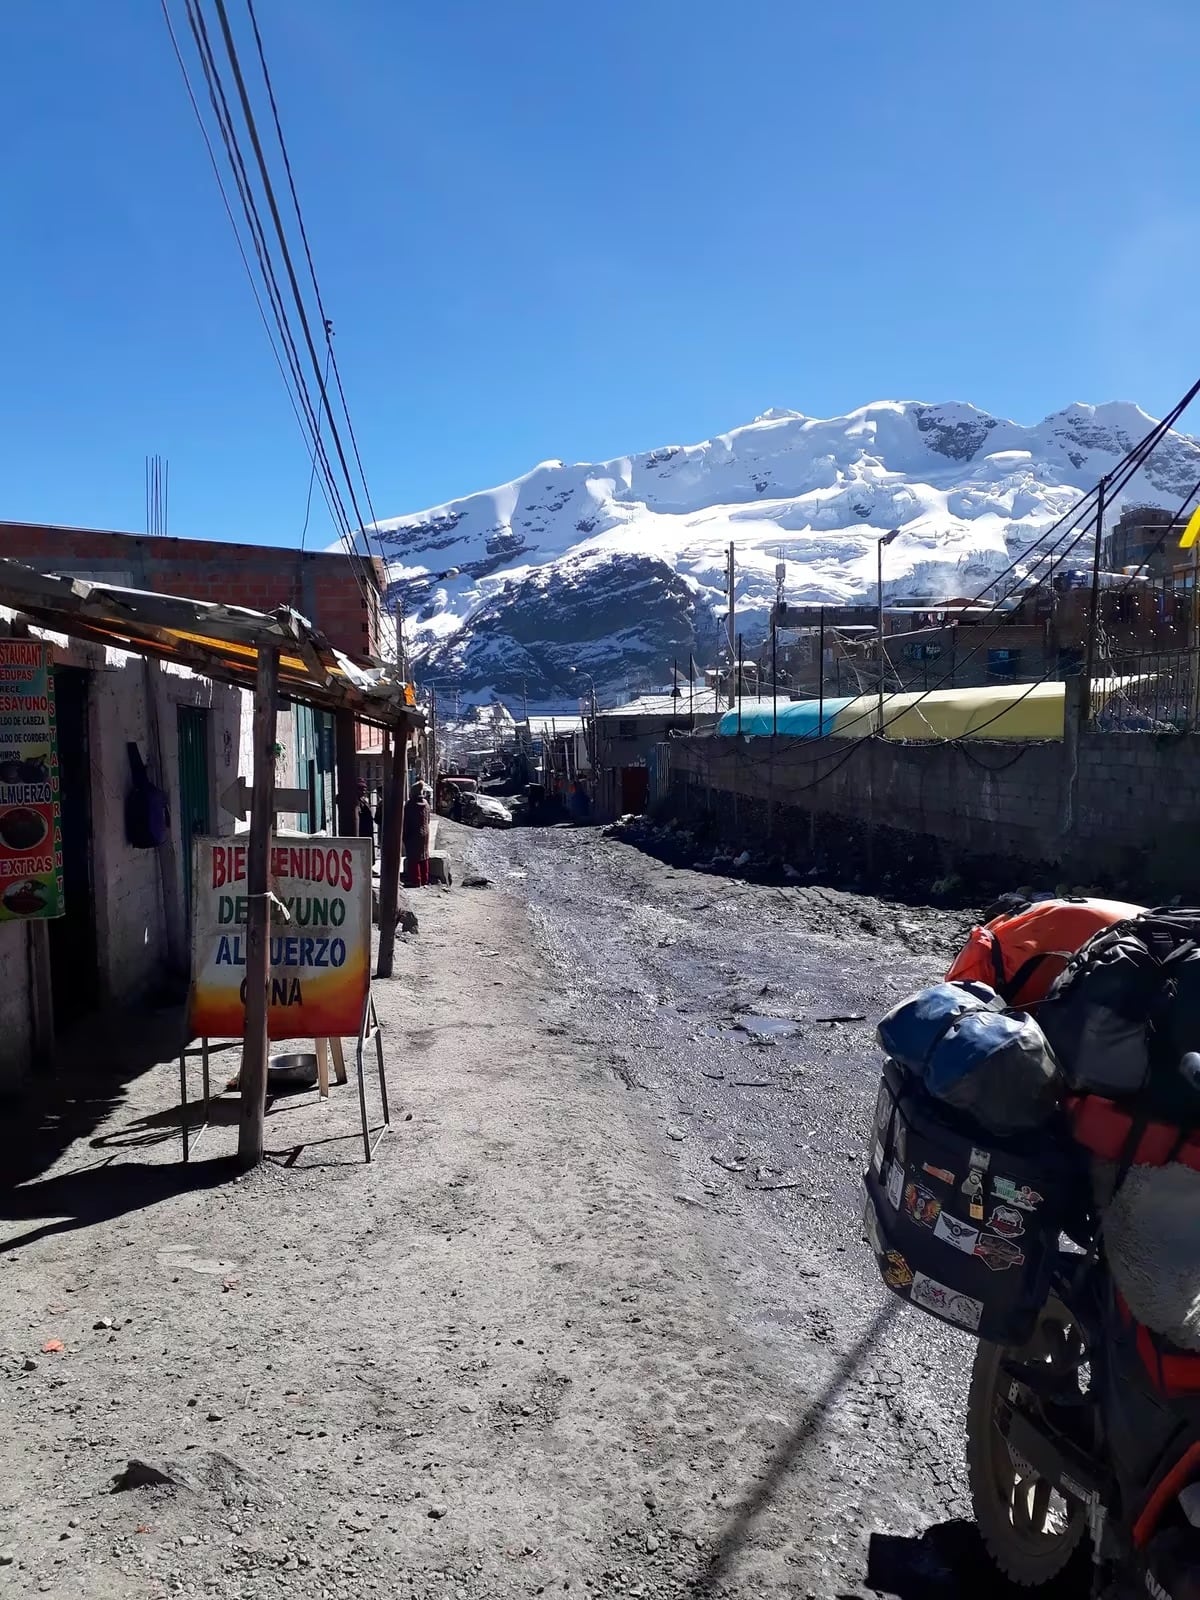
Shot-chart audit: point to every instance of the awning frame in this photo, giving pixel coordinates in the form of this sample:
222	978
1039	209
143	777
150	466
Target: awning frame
219	641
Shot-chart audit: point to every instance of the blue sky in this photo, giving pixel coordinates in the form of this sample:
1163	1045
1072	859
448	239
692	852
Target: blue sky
550	229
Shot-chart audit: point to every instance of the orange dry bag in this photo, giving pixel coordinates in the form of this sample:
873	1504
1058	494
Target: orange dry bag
1022	954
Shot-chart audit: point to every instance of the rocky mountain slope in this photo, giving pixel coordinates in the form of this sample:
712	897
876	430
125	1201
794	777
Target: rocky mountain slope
617	568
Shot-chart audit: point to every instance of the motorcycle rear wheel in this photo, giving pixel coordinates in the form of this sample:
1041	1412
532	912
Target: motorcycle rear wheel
1035	1536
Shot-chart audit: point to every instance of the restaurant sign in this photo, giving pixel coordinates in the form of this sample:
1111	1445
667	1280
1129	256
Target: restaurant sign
320	937
31	883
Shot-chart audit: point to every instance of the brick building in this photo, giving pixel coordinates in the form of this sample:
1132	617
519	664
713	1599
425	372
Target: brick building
343	598
125	924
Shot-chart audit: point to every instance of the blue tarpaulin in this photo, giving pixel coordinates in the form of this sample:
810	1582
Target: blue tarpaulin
797	719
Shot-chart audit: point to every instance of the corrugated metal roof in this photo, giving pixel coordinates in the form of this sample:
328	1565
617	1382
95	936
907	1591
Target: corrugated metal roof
543	727
219	641
702	699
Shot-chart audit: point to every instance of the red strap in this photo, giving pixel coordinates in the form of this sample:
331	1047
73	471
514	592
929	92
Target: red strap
1102	1127
1170	1486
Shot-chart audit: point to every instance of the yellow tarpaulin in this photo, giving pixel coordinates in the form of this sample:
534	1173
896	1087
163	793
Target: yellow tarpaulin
1008	711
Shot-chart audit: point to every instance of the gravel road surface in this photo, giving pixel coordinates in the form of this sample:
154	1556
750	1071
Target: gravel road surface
718	1004
596	1321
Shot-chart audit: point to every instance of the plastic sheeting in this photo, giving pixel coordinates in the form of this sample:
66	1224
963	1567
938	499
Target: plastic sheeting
996	711
798	719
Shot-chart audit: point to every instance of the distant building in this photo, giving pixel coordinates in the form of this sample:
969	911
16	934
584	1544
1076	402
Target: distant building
1145	537
627	737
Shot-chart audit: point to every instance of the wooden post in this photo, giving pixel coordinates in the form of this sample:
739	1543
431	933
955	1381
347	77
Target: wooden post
391	850
346	762
258	926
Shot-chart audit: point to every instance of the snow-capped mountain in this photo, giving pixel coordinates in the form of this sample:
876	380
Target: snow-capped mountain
617	568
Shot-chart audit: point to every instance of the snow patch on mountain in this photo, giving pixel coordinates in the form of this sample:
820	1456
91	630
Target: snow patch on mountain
617	568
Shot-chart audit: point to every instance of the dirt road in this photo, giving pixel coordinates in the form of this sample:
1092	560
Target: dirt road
574	1331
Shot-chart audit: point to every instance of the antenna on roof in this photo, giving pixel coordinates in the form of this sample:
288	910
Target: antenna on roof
157	483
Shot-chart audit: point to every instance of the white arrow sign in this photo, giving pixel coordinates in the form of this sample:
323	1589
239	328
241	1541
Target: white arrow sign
236	800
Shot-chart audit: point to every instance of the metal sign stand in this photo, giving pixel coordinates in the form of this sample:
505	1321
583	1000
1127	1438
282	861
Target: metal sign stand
203	1049
369	1033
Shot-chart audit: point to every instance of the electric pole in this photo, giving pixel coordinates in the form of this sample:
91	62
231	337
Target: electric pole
730	622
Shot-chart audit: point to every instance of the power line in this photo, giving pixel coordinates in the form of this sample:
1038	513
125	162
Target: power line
327	324
212	156
285	250
241	178
228	132
311	479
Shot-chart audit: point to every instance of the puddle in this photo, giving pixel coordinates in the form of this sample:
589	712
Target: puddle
767	1027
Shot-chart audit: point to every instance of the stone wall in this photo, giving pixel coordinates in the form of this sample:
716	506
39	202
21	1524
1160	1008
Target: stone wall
1129	814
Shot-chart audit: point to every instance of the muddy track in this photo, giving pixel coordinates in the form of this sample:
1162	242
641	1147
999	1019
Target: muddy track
740	1016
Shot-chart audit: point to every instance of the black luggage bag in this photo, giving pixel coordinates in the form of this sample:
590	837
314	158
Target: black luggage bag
966	1225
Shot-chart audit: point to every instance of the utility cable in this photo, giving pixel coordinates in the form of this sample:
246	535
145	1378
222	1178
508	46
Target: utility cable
228	134
212	156
1128	466
311	479
285	250
233	152
326	323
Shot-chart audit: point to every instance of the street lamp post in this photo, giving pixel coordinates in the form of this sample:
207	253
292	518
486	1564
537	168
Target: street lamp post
885	538
579	673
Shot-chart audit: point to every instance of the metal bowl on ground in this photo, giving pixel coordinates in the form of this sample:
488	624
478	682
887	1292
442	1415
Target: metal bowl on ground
289	1074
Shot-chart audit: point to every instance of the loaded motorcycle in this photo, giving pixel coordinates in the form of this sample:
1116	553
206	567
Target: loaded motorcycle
992	1197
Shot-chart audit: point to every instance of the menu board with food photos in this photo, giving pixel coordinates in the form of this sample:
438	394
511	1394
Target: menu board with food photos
31	882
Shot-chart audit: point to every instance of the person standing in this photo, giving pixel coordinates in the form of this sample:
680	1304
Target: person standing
365	816
416	838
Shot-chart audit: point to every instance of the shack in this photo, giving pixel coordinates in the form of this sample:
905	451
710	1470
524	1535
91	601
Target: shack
627	736
143	740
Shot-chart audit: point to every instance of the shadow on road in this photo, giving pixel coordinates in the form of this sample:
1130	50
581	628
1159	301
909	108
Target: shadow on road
102	1192
83	1087
737	1532
946	1562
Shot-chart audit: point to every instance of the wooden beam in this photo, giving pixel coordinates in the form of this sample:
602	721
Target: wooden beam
391	851
346	764
258	927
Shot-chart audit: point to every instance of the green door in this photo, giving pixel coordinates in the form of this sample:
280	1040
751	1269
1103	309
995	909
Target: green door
195	805
314	766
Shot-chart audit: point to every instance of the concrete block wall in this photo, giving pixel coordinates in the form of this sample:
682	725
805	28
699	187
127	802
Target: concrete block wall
1131	815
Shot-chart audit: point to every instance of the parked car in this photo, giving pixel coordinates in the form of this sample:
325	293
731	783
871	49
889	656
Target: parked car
485	811
451	789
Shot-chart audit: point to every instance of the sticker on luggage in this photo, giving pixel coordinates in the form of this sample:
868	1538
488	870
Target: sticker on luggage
953	1232
1004	1220
921	1205
946	1302
897	1273
999	1254
1015	1194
